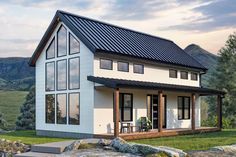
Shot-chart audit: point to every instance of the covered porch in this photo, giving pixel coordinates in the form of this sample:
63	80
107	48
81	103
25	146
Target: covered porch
159	131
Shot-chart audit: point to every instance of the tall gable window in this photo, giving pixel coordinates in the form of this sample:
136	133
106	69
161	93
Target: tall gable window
50	76
50	108
183	107
184	75
50	52
173	73
74	109
61	41
123	66
74	73
106	64
61	74
61	109
74	45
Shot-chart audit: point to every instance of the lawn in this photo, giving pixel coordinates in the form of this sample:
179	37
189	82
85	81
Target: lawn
10	104
194	142
29	137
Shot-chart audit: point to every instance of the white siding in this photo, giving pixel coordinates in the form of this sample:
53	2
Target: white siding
86	93
103	109
152	73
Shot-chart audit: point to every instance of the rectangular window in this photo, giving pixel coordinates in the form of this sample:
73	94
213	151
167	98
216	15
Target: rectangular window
173	73
183	107
123	66
74	109
74	73
61	41
50	76
50	52
61	74
61	109
138	68
106	64
74	45
194	76
126	107
50	108
184	75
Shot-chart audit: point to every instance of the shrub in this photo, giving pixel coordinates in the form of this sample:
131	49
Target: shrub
227	123
3	122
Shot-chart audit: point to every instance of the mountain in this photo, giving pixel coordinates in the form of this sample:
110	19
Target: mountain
16	74
207	59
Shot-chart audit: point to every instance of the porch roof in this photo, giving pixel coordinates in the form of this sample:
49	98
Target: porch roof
121	83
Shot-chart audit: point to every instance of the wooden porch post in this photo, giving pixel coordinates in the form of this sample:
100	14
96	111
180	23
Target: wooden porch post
116	113
219	111
160	110
193	110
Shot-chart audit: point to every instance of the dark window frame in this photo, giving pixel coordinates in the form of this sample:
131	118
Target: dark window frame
69	107
69	73
170	73
192	76
57	75
47	108
120	69
57	41
182	76
121	107
183	107
70	34
53	40
56	107
142	68
108	60
46	77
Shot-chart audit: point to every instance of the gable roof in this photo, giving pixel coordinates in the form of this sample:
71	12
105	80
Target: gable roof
102	37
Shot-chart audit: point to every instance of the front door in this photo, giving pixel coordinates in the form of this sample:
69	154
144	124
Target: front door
152	107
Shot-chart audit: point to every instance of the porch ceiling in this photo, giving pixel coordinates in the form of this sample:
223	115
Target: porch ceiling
121	83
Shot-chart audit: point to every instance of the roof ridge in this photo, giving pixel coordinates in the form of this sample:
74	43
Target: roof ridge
113	25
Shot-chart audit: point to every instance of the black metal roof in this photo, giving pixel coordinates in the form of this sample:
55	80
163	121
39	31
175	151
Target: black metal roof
102	37
121	83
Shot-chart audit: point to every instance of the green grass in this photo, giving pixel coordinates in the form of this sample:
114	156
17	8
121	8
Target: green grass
10	102
202	141
29	137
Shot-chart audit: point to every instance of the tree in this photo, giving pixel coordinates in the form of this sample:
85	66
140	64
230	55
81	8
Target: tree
26	119
3	122
224	78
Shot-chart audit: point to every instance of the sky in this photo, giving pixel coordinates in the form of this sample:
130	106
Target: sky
205	23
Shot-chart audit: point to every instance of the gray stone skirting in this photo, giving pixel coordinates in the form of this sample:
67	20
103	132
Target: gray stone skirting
62	134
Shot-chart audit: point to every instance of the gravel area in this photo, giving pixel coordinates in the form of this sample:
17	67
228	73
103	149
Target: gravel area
208	153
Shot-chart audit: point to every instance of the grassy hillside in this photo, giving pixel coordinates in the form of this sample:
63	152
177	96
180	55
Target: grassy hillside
10	102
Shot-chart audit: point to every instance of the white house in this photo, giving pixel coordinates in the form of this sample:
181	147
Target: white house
93	78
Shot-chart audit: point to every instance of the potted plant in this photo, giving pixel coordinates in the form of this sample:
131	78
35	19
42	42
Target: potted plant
145	124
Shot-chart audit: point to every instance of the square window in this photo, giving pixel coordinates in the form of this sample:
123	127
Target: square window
184	75
172	73
106	64
194	76
123	66
138	69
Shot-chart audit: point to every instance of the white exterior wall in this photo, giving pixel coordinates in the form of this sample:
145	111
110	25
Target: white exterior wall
152	73
103	109
86	92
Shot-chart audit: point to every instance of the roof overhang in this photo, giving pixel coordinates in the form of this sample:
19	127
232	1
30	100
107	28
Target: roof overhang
121	83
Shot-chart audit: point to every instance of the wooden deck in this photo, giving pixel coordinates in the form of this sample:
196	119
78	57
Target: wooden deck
155	133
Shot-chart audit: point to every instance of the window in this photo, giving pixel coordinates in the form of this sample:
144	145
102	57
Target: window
126	107
74	45
50	108
61	74
106	64
123	66
184	75
194	76
74	72
50	76
61	41
183	107
172	73
74	109
50	52
138	68
61	108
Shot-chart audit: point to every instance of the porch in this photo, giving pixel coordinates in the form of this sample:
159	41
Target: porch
117	87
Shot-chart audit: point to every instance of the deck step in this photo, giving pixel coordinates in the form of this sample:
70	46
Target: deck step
55	147
36	154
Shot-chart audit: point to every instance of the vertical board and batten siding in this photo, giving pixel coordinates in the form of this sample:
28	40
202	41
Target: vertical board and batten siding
86	91
152	73
103	109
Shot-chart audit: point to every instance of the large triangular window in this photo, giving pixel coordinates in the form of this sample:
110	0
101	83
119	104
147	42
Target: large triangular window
74	45
61	41
50	52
